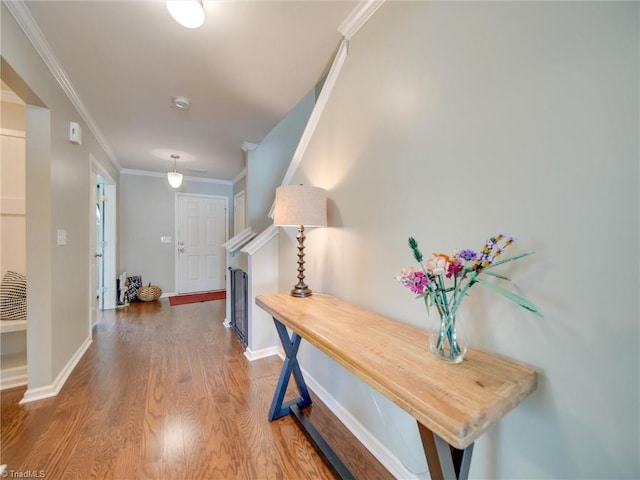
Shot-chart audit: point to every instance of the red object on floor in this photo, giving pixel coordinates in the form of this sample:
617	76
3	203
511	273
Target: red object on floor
197	297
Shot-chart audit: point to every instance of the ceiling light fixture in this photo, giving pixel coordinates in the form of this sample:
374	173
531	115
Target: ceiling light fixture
188	13
175	178
181	102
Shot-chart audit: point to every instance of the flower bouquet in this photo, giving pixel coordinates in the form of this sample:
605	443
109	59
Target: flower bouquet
443	282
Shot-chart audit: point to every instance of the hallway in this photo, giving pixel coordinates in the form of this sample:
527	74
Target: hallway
166	392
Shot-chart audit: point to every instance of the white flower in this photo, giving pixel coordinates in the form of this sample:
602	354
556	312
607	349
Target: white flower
436	265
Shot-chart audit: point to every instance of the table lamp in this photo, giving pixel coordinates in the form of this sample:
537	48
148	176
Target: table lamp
300	206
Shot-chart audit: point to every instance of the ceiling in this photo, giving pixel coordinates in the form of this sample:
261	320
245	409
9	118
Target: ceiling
243	70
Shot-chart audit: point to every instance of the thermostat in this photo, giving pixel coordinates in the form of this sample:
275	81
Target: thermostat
75	133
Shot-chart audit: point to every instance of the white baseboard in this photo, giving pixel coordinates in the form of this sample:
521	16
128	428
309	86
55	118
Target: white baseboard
263	353
33	394
13	377
364	436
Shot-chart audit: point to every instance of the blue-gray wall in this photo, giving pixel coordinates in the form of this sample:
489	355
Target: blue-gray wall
267	164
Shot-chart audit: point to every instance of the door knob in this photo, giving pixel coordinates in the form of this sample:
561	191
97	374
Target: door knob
98	254
181	250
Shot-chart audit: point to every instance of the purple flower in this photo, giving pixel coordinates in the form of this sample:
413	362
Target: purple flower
468	254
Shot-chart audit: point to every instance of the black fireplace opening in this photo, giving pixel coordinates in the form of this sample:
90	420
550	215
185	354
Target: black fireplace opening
239	304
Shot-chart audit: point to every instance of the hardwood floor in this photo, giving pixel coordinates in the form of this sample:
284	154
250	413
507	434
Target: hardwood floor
166	393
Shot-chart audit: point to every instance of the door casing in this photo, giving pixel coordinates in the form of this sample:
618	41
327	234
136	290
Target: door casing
179	288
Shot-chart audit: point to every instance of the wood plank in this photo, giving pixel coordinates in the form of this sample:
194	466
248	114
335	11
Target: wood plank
457	402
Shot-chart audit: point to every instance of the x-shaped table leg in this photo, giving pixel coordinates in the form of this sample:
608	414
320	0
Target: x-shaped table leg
279	408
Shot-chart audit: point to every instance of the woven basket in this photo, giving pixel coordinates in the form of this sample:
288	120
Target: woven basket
150	293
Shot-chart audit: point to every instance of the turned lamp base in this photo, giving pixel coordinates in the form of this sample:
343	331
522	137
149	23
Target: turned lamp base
301	292
301	289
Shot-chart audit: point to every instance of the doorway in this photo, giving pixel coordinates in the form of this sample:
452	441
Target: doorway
102	255
201	229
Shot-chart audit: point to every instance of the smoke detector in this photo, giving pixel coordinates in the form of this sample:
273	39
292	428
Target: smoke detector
181	102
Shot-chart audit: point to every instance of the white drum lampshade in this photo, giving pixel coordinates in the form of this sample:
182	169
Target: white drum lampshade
300	206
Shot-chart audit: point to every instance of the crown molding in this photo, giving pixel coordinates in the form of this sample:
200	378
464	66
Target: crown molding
248	146
358	17
146	173
25	20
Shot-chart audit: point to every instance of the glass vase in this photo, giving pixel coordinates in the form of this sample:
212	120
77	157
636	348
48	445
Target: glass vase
447	339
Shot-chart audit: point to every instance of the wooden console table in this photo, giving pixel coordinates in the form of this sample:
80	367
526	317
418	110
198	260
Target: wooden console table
453	404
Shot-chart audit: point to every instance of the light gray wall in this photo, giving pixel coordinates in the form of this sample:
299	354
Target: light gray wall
267	164
450	122
57	198
146	212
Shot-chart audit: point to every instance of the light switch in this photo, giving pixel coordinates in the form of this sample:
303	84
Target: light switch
165	239
62	237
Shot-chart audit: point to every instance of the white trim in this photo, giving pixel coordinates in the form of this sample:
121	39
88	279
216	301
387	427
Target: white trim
364	436
109	300
318	108
236	242
258	242
100	170
358	17
263	353
7	326
13	377
13	133
316	113
240	176
33	394
248	146
145	173
30	28
176	221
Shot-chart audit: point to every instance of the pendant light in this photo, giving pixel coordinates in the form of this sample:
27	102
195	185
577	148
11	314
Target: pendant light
175	178
188	13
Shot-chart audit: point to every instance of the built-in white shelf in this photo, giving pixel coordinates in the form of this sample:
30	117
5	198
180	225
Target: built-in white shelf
7	326
13	366
14	370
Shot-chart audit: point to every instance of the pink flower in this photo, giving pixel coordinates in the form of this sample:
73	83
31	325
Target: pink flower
415	281
454	268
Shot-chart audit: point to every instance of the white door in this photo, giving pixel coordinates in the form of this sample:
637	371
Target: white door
202	222
94	250
102	234
100	245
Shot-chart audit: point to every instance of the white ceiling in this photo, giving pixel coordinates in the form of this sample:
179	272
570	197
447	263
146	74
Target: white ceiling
243	70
